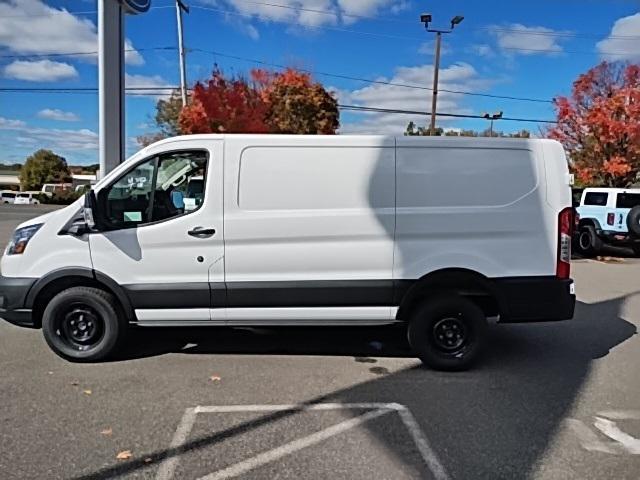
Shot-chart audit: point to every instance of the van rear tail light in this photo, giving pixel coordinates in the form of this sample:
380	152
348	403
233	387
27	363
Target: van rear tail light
576	221
565	230
611	218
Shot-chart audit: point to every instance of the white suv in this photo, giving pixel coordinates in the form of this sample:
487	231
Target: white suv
608	216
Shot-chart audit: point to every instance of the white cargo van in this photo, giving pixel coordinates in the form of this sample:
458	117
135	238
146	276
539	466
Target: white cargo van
237	230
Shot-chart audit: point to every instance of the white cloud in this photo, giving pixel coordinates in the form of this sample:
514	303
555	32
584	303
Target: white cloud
459	76
428	48
147	85
31	27
9	124
518	39
367	7
483	50
40	71
624	48
131	55
311	13
59	115
52	138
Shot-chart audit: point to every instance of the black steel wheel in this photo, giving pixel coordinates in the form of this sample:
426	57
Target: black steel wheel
83	324
447	332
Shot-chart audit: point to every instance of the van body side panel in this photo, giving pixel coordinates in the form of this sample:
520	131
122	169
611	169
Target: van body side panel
475	205
306	210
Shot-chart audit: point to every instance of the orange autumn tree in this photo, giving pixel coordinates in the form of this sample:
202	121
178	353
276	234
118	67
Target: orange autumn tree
224	105
297	104
282	102
599	125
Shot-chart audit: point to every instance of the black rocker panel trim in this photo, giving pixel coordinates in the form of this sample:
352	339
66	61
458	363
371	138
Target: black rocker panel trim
312	293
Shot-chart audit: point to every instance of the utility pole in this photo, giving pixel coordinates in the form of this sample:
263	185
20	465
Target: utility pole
492	117
426	18
180	6
436	74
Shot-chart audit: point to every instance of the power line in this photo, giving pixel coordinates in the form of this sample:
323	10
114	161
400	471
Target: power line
72	12
409	22
368	80
360	108
360	32
342	14
79	54
329	74
392	36
356	108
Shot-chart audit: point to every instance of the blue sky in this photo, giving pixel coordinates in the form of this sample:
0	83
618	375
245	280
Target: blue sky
505	48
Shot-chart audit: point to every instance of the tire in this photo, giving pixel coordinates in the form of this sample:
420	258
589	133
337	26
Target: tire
83	324
589	244
633	221
636	249
448	332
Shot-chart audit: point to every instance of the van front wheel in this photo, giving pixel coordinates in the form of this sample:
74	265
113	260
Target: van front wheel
447	333
82	324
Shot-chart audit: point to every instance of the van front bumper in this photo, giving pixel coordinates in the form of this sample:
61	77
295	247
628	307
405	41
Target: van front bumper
13	293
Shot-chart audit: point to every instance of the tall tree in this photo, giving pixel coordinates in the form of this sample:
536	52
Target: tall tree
42	167
269	102
224	106
297	104
599	125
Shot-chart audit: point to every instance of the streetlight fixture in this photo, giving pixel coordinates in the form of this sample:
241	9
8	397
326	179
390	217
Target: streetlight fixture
492	117
427	18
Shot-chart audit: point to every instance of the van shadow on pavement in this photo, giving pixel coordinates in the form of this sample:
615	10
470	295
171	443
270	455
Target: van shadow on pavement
492	422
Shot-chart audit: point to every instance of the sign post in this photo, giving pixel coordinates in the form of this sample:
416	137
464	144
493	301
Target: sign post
111	78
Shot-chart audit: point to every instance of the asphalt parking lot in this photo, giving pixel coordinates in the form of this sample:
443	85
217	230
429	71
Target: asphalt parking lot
547	401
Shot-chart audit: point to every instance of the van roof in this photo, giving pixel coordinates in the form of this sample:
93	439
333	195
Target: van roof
406	140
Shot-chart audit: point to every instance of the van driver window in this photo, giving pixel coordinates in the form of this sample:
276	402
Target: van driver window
158	189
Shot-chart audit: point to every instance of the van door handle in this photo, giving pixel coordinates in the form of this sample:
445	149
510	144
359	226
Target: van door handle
202	232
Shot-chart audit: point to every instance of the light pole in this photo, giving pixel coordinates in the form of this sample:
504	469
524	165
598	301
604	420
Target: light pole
426	18
180	6
492	117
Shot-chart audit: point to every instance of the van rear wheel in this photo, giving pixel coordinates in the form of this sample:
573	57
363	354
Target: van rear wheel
83	324
447	333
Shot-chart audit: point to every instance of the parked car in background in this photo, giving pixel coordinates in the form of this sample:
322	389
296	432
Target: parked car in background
7	196
608	216
50	188
27	198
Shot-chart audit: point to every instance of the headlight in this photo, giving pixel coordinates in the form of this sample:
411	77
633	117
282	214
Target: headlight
21	238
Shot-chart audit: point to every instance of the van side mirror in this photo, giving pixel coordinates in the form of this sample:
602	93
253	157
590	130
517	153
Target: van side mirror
90	211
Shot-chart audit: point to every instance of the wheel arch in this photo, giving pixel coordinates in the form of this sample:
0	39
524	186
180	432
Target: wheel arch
54	282
467	283
593	222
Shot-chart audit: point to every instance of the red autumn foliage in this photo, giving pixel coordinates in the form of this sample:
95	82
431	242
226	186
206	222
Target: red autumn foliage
286	102
224	106
599	125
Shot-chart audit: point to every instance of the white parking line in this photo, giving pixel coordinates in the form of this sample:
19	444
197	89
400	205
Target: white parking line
168	466
291	447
